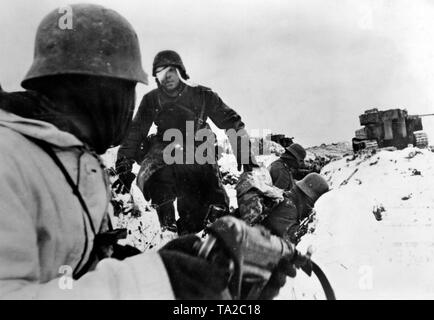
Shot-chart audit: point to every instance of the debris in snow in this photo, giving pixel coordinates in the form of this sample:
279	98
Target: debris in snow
413	154
366	245
351	159
350	176
377	211
358	181
416	172
407	197
374	162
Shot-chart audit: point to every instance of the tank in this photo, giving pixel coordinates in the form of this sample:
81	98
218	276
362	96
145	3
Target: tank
389	128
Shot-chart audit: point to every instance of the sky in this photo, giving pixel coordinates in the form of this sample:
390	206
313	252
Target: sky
305	68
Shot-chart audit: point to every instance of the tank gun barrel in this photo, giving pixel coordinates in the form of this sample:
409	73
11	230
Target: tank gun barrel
425	115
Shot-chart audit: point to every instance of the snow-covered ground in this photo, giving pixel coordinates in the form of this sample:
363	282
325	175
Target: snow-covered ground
144	232
365	258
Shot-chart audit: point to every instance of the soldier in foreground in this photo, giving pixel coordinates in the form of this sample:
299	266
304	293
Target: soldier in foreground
56	238
55	194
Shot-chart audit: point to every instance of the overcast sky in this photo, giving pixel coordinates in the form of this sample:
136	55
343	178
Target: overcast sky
306	68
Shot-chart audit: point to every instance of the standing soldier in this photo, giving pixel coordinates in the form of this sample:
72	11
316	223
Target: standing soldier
283	169
197	187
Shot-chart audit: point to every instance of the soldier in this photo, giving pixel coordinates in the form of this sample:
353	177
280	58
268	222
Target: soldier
54	193
284	219
197	187
283	169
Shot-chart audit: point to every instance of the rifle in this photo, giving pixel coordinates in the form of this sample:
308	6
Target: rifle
303	227
254	253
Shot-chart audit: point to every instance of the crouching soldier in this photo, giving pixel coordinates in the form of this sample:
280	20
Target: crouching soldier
283	171
259	202
285	218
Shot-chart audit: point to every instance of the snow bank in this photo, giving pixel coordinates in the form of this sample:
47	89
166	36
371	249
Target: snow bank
366	258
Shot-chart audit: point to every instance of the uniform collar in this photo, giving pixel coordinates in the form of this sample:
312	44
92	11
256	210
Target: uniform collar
38	129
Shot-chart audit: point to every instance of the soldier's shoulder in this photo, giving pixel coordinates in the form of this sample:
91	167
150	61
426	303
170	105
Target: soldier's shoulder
150	97
152	93
289	198
276	164
203	89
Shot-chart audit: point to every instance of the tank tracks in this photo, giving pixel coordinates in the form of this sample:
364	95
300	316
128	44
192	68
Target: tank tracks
364	144
420	139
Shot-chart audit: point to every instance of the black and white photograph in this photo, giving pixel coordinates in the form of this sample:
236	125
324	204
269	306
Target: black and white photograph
217	150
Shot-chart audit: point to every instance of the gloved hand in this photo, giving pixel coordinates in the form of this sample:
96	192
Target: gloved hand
286	267
303	261
278	280
192	277
123	183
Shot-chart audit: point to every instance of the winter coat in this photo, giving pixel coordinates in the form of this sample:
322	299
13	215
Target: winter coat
44	233
281	174
173	113
285	218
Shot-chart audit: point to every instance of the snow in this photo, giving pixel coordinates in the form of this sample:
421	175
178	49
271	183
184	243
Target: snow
144	232
365	258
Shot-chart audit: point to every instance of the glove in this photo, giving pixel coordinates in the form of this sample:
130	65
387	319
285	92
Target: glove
286	267
193	278
278	280
121	252
303	261
123	183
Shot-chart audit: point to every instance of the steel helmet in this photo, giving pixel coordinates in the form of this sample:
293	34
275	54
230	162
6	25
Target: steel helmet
169	58
100	42
313	185
297	151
